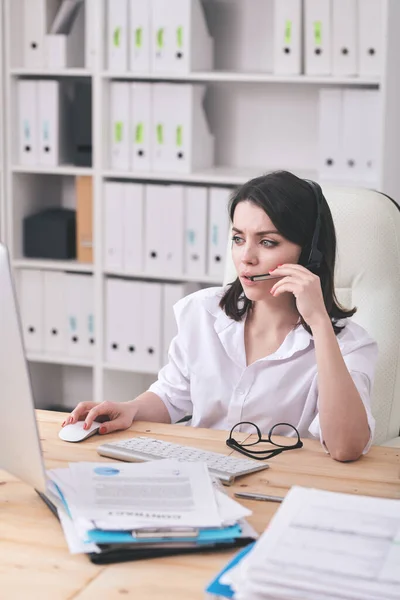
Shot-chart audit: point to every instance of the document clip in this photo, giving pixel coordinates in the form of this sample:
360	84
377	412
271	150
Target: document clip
165	533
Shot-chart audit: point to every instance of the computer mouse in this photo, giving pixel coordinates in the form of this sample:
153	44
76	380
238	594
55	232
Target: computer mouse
75	432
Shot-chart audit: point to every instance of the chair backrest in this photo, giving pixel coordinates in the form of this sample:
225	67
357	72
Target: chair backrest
367	276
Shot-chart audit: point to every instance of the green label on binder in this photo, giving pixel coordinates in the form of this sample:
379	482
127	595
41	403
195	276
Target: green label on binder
179	136
160	38
46	130
91	323
288	32
160	134
179	37
215	235
191	236
117	37
118	131
318	33
27	130
139	133
72	324
138	37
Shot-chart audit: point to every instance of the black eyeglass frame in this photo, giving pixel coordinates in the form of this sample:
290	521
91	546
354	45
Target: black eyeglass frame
267	454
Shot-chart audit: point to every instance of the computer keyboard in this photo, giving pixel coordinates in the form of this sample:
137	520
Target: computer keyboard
140	449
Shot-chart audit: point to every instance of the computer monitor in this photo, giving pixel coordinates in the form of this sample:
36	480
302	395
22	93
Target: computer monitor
20	448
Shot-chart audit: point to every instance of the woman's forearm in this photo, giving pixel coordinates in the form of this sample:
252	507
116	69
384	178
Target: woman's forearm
343	418
149	407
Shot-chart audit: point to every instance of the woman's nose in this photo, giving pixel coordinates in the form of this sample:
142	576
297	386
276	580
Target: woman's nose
249	255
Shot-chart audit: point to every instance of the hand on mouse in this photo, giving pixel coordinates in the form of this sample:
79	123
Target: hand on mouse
114	415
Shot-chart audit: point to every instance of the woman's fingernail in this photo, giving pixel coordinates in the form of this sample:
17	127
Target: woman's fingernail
103	430
70	420
63	424
85	426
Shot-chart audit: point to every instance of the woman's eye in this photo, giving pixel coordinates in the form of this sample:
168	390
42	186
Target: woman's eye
268	243
236	239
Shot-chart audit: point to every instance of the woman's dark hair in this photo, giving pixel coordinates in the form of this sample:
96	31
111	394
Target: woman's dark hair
291	204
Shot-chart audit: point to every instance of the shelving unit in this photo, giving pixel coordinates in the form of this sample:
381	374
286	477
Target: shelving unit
261	122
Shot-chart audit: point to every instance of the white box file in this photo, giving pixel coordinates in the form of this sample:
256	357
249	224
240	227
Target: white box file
139	36
318	37
370	22
173	223
153	229
164	223
344	37
181	42
117	35
132	334
218	230
53	145
124	323
330	159
141	126
195	236
353	139
150	351
287	35
80	315
119	126
116	293
32	309
371	139
55	313
36	19
114	204
28	122
133	227
182	141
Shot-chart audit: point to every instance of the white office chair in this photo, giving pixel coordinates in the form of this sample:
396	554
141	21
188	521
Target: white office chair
368	276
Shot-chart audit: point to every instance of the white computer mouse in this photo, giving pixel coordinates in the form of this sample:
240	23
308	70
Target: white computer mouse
75	432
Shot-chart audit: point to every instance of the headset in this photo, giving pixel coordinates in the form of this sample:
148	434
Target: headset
316	256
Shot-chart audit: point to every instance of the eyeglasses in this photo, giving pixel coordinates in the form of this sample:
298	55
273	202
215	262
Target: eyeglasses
281	444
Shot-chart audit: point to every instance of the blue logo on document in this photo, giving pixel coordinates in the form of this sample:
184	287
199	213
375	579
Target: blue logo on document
106	471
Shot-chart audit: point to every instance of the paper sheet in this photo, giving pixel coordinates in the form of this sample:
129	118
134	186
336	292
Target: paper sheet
325	545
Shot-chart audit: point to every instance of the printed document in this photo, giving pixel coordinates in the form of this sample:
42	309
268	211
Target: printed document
164	493
324	545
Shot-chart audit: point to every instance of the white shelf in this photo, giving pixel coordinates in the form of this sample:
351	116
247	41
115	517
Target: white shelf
52	265
237	77
229	176
23	72
215	175
58	170
162	277
125	369
59	360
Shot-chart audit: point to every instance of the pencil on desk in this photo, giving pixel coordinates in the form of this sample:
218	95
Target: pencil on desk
264	497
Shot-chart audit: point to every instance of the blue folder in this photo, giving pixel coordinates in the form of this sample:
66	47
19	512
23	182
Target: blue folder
99	536
220	589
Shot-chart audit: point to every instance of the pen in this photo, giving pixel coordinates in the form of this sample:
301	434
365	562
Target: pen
258	497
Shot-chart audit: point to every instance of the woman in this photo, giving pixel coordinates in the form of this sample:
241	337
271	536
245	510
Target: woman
267	351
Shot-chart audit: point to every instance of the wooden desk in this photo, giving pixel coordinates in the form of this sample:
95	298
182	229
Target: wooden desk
35	562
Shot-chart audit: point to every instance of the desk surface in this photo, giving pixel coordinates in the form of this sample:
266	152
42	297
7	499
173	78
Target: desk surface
35	562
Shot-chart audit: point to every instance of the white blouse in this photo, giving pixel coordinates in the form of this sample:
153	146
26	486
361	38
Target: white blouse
207	375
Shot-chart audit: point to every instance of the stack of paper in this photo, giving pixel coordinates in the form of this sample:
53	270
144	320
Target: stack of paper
320	545
130	511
